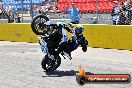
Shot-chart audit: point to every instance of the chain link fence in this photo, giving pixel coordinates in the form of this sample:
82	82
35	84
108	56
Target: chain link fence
90	10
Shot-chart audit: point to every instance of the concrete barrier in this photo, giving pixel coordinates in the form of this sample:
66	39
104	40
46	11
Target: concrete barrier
109	36
17	32
98	35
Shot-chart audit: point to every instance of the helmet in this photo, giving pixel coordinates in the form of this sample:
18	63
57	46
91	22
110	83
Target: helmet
61	24
79	29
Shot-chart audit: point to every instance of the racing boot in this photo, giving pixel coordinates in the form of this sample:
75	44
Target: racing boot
68	54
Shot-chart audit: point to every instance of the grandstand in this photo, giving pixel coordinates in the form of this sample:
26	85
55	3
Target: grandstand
17	3
87	6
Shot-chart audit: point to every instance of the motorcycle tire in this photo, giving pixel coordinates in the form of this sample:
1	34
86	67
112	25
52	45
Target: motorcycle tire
38	26
84	48
46	61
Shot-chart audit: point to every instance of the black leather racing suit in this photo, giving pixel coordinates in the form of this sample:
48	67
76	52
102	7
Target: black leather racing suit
73	43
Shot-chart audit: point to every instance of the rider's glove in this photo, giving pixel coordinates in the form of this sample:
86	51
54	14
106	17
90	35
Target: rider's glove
71	25
72	31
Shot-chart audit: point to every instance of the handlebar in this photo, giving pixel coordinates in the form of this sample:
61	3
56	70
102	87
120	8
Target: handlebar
60	25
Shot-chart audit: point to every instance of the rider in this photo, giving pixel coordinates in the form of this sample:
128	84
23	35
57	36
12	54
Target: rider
54	37
72	44
66	46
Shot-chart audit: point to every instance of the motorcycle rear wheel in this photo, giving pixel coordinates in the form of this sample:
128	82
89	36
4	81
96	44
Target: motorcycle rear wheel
49	64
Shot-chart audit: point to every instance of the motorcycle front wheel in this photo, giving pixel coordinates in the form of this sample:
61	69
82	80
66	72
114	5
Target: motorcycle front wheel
38	26
49	64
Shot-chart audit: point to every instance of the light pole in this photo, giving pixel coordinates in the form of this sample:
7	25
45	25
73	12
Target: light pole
22	9
31	8
97	10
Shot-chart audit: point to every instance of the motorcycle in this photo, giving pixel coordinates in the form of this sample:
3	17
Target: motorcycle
51	37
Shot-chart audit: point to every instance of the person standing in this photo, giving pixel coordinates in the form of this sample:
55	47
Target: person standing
1	9
46	6
114	13
74	13
129	12
122	14
10	17
18	18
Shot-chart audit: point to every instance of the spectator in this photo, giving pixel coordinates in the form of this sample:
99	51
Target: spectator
10	7
94	20
6	9
10	17
73	13
4	14
122	14
114	13
1	8
53	8
18	18
129	12
46	6
129	3
35	10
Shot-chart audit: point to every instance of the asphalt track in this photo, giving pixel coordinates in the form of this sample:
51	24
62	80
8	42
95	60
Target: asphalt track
20	67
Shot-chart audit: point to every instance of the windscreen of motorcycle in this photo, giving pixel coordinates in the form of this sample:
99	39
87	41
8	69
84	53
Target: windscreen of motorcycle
65	37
